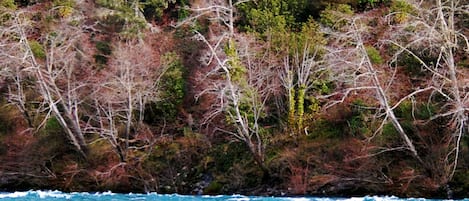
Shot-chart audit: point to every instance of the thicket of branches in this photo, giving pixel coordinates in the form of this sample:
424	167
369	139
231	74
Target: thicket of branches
267	68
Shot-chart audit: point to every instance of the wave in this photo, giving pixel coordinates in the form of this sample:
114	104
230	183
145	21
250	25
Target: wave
109	196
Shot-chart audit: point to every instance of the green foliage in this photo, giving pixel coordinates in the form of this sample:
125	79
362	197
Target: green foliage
266	16
402	10
97	153
173	86
236	68
7	116
309	38
173	80
123	19
113	23
103	50
389	135
314	106
52	126
356	125
412	65
300	106
308	42
132	27
264	20
227	154
103	47
153	9
214	188
37	49
324	129
113	4
336	15
248	95
357	122
408	111
183	13
374	55
64	7
177	163
370	3
291	107
7	4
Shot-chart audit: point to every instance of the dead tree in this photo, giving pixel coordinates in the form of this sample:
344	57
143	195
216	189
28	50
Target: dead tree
54	74
12	73
302	70
123	91
353	69
437	31
233	79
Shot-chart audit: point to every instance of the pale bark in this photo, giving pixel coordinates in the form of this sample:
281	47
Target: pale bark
51	75
354	70
231	92
436	31
127	85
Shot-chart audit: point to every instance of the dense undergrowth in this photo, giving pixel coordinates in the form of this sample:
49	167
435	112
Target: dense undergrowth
266	97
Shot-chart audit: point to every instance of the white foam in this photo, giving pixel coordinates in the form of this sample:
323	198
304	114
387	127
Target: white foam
239	198
54	194
299	199
14	195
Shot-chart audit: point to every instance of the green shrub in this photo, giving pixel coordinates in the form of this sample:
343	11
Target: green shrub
324	129
214	188
374	55
262	21
8	4
173	86
402	10
367	4
52	126
122	19
408	111
104	47
412	65
183	13
103	51
389	135
37	49
64	7
7	116
336	15
153	9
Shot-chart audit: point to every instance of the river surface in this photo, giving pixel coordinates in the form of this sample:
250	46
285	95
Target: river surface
108	196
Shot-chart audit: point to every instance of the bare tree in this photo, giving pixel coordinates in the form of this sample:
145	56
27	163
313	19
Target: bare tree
303	70
437	31
12	73
123	90
348	58
55	75
238	85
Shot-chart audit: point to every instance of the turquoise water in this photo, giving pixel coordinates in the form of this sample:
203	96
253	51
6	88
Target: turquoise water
108	196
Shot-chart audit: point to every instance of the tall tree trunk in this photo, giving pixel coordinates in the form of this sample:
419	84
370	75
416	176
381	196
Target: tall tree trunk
291	107
301	105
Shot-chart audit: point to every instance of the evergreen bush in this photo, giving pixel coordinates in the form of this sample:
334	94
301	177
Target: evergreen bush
37	49
103	51
401	9
336	15
8	4
374	55
173	89
64	7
